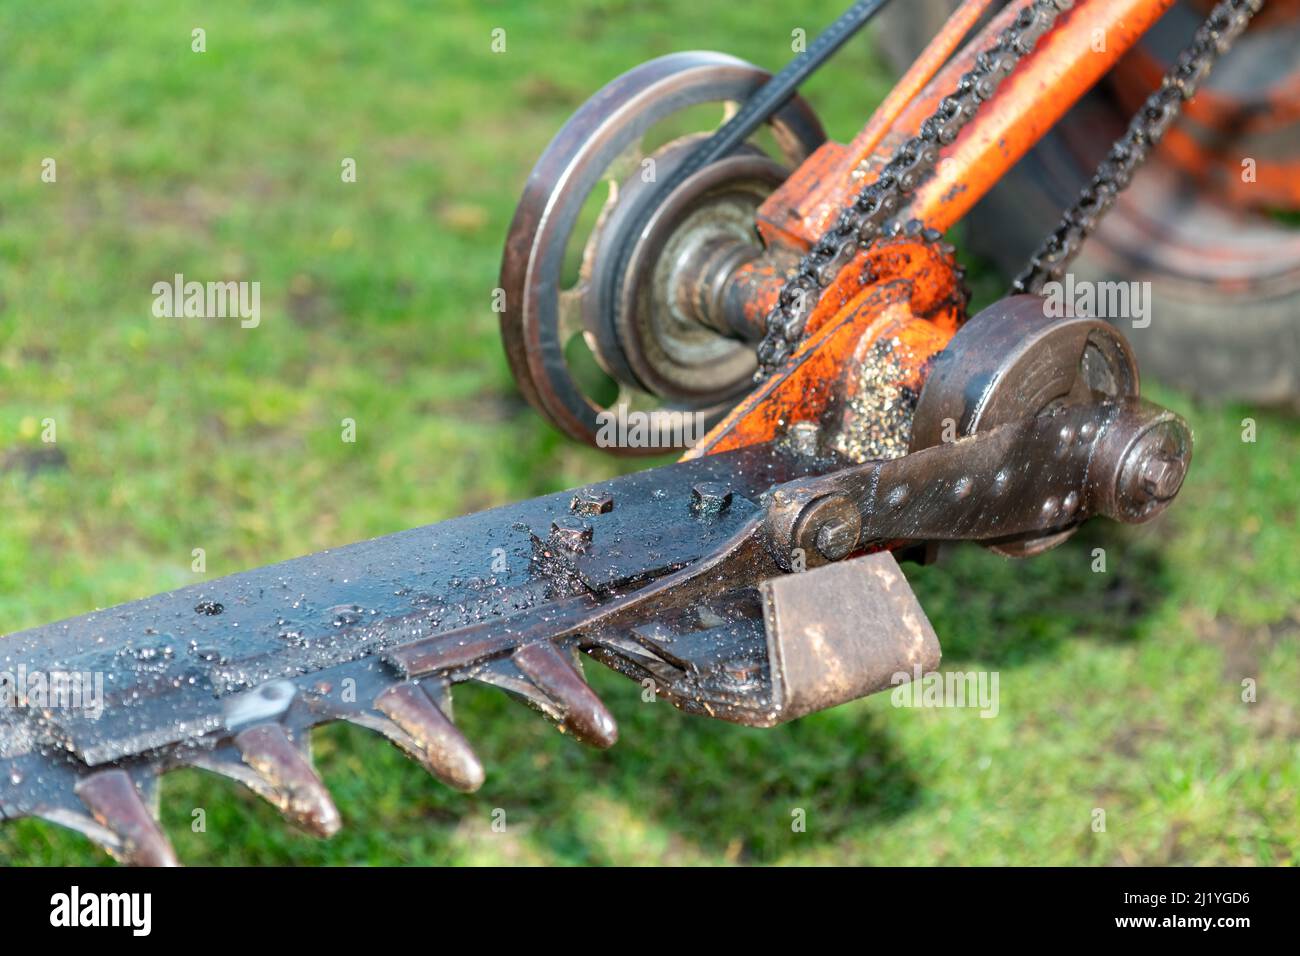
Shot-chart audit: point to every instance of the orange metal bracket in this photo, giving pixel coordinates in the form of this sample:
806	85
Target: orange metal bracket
906	289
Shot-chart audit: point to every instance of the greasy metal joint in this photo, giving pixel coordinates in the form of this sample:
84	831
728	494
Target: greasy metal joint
702	282
807	527
1163	476
836	538
1144	456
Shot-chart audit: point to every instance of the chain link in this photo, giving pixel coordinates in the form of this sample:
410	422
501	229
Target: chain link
866	219
1213	38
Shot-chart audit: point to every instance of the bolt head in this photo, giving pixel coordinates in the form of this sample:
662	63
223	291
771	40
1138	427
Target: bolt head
827	529
709	497
592	503
1162	477
571	533
1152	470
836	538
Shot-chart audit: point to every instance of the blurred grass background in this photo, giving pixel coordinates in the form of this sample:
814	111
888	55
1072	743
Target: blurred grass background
1120	691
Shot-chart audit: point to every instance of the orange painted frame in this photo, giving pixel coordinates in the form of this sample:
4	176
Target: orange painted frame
1066	63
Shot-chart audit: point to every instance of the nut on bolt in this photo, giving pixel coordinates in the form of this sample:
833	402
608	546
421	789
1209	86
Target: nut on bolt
592	503
1162	476
828	528
1153	451
571	533
836	538
710	497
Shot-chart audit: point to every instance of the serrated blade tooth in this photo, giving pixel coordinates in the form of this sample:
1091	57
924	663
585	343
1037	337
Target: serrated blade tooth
291	782
116	804
433	739
555	675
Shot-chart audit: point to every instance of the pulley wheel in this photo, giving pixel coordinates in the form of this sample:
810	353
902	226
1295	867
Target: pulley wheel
580	349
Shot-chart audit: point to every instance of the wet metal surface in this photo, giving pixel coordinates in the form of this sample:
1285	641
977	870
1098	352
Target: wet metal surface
373	633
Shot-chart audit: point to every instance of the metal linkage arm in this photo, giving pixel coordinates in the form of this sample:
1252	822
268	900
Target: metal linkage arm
1123	459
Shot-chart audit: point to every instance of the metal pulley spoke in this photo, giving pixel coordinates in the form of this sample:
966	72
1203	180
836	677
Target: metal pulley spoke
625	165
570	311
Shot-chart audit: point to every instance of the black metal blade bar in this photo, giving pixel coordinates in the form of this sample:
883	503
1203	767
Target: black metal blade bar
230	675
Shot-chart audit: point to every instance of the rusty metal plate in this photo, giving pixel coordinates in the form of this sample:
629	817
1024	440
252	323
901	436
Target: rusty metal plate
843	631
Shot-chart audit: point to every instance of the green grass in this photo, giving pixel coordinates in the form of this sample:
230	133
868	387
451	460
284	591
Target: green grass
1119	691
